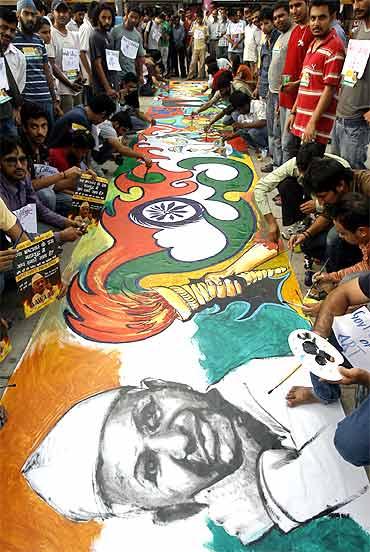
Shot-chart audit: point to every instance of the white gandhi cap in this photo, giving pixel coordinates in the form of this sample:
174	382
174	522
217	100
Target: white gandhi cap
62	469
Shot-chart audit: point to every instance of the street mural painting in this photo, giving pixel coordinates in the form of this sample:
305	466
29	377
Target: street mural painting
141	418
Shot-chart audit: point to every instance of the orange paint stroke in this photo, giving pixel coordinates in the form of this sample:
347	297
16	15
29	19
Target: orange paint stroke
52	377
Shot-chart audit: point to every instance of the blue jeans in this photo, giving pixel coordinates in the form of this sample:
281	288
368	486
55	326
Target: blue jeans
289	142
273	129
255	137
350	140
352	437
328	245
137	123
8	128
49	110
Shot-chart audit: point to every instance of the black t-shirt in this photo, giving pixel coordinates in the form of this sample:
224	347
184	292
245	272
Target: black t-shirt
364	283
99	42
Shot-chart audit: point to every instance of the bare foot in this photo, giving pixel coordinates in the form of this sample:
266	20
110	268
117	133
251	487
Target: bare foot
300	395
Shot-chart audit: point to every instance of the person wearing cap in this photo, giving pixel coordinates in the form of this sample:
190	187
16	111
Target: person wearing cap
41	290
39	87
167	449
66	64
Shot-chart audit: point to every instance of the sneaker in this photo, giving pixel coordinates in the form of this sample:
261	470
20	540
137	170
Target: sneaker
267	168
293	229
308	278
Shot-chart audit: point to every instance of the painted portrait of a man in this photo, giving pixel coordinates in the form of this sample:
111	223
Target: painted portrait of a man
167	448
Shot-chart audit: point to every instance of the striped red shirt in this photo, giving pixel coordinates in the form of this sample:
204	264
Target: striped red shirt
322	66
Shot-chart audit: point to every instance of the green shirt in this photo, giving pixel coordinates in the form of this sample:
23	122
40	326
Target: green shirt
166	31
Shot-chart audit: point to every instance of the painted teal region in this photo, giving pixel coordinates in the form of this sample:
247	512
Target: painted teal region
228	338
238	232
335	534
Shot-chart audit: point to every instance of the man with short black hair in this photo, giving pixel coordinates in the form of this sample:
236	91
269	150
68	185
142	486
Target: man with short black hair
127	39
39	85
66	65
84	33
299	41
98	109
78	14
13	71
313	113
129	100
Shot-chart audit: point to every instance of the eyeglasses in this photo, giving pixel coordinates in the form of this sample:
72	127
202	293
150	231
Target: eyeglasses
22	159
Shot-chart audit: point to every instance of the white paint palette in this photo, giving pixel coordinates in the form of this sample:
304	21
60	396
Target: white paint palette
316	354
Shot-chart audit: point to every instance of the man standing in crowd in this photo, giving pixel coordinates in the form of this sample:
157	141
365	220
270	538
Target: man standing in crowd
66	67
252	40
85	32
213	30
178	33
299	41
199	47
14	71
164	41
337	26
129	42
313	114
39	85
152	34
222	45
273	124
78	14
283	24
351	135
235	36
100	45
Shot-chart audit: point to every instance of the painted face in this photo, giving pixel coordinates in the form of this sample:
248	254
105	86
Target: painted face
298	10
320	20
27	20
7	33
14	165
37	130
161	446
362	9
45	33
105	20
267	26
281	20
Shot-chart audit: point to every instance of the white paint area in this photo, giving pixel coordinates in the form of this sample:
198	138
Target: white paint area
192	242
172	355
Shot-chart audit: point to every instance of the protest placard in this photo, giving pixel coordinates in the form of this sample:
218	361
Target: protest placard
353	335
88	199
37	273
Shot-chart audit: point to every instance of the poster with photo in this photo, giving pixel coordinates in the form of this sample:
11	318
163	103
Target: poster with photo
37	273
88	199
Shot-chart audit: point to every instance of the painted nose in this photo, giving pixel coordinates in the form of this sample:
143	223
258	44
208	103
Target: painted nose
172	443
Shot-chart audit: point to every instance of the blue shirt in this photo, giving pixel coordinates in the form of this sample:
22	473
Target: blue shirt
60	135
37	87
266	55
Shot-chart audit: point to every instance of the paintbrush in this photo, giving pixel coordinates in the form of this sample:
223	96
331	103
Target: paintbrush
285	378
293	304
9	385
5	377
316	283
146	172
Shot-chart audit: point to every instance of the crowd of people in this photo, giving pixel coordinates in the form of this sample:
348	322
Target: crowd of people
70	87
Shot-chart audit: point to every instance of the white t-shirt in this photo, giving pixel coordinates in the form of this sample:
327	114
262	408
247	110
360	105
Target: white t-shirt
61	42
155	33
257	112
84	33
236	32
